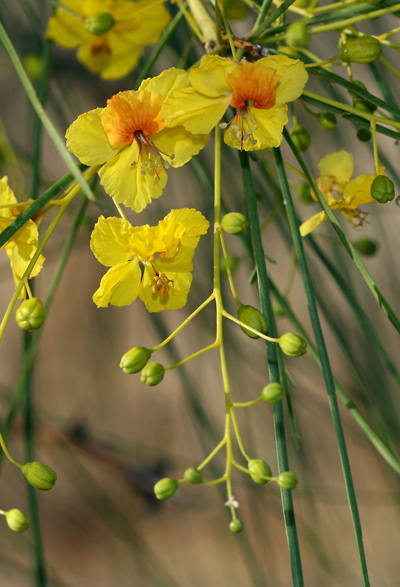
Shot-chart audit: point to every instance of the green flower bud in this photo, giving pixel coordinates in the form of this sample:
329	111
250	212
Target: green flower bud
33	65
233	263
135	359
327	120
297	35
278	309
100	23
165	488
30	314
234	223
272	393
236	526
287	480
382	189
366	246
304	192
364	134
259	470
38	475
252	317
292	344
152	374
193	475
17	520
301	137
360	49
235	9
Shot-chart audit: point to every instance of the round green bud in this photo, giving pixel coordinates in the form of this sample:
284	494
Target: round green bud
38	475
234	223
301	137
287	480
366	246
272	393
278	309
100	23
236	526
33	65
193	475
304	192
165	488
364	134
292	344
235	9
135	359
252	317
30	314
297	35
327	120
360	49
152	374
17	520
382	189
259	470
233	263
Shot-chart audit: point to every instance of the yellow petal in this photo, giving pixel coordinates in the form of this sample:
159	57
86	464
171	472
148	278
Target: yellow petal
87	140
180	143
134	178
309	225
119	286
111	240
210	76
293	77
358	191
21	249
6	197
137	20
257	128
177	295
338	164
66	29
199	114
89	7
109	56
167	82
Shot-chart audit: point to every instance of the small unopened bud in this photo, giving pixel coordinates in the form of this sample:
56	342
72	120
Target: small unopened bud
259	471
236	526
17	520
100	23
287	480
30	314
382	189
252	317
152	374
366	246
304	192
301	137
272	393
364	134
278	309
165	488
327	120
359	102
33	65
193	475
234	223
360	49
297	35
292	344
38	475
135	359
233	263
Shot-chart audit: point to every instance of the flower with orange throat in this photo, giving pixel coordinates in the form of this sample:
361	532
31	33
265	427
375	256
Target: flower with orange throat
340	191
152	262
109	34
133	143
257	91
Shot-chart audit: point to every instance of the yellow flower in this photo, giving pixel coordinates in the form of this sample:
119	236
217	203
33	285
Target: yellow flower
114	53
341	192
257	91
152	262
22	246
132	142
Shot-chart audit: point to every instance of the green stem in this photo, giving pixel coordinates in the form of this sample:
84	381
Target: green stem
384	304
326	368
271	18
266	308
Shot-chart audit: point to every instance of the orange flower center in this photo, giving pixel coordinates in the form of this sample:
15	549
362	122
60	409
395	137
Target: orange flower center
255	82
100	47
131	116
